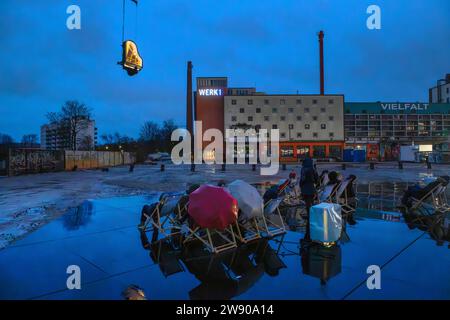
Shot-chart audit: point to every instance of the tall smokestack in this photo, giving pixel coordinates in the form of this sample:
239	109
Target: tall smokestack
189	98
189	111
322	77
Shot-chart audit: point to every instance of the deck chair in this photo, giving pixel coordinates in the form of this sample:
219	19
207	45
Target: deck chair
440	201
344	196
328	194
158	215
323	179
247	230
271	221
215	241
416	200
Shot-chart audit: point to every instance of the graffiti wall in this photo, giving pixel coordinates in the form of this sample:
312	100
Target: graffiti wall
23	161
96	159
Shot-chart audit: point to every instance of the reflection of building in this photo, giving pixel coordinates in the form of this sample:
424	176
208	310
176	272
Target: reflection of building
441	92
307	123
380	128
53	138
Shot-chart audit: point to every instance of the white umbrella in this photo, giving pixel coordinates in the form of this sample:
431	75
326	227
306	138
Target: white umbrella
249	200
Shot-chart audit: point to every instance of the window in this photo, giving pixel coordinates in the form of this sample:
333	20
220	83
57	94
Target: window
323	126
233	118
291	126
266	118
331	118
323	110
283	135
241	110
299	118
274	110
331	134
319	152
315	118
250	101
314	134
266	101
299	101
282	101
331	101
287	151
299	134
233	101
250	118
291	110
314	101
282	118
307	126
274	126
258	110
306	109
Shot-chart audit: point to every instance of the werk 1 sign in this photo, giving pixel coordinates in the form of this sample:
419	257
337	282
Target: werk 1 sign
211	92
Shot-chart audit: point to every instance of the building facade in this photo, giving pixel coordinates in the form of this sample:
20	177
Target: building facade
308	124
381	128
53	139
441	92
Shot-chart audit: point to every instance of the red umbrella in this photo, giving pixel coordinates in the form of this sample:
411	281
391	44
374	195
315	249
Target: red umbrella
212	207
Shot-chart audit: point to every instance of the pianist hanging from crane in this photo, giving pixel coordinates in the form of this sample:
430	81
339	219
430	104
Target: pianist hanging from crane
131	60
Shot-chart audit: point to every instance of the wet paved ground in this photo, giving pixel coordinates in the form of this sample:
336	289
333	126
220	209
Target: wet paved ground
103	239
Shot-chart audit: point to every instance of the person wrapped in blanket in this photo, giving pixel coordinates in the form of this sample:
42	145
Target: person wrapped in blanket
418	192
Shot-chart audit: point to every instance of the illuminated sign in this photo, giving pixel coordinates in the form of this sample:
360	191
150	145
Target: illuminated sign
404	106
131	60
210	92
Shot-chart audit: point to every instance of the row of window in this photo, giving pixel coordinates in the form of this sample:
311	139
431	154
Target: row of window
282	101
282	118
275	110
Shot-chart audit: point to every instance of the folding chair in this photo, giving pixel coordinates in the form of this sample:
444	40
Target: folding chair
272	213
348	204
429	192
215	240
157	215
247	230
323	179
329	193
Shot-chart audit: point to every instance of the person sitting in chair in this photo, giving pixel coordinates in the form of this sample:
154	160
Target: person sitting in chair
418	192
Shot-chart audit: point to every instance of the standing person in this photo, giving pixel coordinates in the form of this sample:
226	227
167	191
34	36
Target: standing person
308	180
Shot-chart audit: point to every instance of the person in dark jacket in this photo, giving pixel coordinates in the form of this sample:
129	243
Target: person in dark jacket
308	181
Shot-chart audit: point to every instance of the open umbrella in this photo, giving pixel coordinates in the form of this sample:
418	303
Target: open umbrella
212	207
249	200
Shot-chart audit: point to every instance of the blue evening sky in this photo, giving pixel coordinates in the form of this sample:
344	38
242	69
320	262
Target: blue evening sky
268	44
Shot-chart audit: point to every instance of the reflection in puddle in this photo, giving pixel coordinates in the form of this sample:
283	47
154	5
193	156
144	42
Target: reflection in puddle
78	216
221	276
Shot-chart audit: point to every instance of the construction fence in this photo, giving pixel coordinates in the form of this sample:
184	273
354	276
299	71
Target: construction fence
18	161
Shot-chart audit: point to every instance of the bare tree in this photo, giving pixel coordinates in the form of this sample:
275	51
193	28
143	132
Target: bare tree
6	139
150	131
86	144
29	140
70	120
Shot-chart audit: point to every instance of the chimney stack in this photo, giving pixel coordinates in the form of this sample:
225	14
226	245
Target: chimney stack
322	79
189	98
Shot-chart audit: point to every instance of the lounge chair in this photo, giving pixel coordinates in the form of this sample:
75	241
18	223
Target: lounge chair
415	198
345	195
328	193
156	216
271	222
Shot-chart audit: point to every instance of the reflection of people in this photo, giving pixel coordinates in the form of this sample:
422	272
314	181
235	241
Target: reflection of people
308	181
